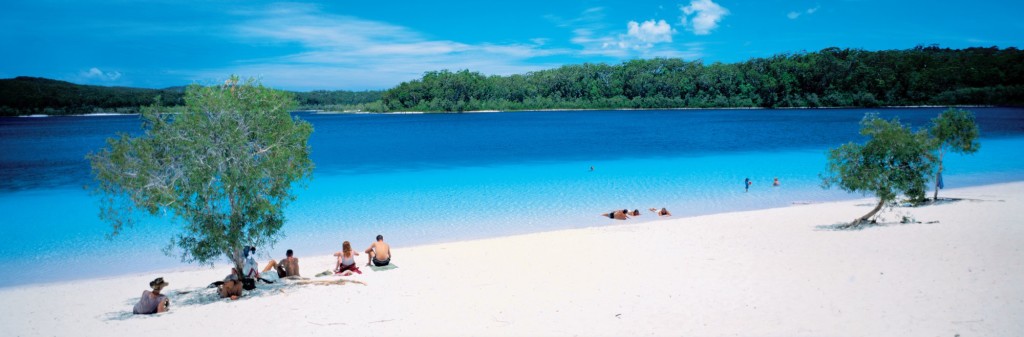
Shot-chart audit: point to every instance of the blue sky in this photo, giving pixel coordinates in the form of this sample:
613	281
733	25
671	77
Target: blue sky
358	45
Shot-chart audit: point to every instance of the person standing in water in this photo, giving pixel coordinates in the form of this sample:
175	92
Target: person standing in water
746	184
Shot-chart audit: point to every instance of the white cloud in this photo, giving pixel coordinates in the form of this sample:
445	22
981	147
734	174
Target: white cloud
794	15
650	31
97	74
650	38
706	15
346	52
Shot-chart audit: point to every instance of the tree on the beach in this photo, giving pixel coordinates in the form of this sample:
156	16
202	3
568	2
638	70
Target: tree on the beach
223	168
893	162
955	130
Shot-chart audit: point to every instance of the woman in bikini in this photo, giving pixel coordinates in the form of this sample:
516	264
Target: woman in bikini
346	260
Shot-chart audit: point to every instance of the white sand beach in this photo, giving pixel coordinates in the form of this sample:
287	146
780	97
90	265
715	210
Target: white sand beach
772	272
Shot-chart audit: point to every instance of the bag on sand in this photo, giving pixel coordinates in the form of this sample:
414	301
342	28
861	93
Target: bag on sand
248	283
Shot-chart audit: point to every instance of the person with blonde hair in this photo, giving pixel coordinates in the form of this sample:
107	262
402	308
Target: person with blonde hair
346	260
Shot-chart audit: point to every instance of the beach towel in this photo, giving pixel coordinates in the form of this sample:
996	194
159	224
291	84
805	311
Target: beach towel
352	268
390	266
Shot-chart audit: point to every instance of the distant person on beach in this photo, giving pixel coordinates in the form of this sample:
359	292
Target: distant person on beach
346	260
379	253
775	183
622	214
746	184
635	212
662	212
288	267
153	302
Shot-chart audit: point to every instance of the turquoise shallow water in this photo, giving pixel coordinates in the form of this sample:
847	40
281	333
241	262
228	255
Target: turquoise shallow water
442	178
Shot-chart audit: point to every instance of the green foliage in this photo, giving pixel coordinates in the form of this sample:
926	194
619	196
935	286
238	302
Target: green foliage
955	130
894	161
831	77
223	168
827	78
340	100
30	95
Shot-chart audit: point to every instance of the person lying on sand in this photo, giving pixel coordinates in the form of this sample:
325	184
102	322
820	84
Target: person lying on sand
346	260
662	212
153	302
379	253
635	212
617	215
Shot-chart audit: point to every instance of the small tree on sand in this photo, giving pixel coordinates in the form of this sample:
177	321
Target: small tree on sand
955	130
223	168
893	162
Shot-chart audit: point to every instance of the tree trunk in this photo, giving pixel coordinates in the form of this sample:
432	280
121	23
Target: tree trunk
866	217
239	262
938	173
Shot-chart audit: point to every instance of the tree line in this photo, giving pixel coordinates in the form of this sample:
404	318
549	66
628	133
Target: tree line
32	95
832	77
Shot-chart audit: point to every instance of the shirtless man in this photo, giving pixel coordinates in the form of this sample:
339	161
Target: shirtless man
618	215
288	267
379	253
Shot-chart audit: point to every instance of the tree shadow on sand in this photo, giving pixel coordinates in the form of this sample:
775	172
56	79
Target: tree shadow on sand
207	295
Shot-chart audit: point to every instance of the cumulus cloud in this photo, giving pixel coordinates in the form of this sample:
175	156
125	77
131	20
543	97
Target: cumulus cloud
650	31
650	38
97	74
795	14
702	16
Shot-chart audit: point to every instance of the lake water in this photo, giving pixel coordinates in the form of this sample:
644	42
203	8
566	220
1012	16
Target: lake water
432	178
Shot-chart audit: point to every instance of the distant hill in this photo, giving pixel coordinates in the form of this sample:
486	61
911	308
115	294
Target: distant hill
33	95
25	95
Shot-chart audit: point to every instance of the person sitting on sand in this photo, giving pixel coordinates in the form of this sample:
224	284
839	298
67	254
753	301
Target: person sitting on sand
231	287
622	214
250	269
153	302
662	212
346	260
288	267
379	253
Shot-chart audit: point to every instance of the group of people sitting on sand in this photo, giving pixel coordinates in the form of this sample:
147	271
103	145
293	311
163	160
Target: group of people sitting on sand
624	214
378	254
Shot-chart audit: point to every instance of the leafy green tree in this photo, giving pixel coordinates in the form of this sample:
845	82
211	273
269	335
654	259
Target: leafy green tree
893	162
955	130
223	168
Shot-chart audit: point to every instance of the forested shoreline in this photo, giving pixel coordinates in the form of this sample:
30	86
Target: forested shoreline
832	77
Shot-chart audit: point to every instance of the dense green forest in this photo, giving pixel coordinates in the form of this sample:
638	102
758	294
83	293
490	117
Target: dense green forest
31	95
828	78
832	77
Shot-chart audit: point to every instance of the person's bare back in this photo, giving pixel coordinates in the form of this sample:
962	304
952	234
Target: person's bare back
290	266
379	253
382	250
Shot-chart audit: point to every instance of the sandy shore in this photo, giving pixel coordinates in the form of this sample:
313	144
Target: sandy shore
773	272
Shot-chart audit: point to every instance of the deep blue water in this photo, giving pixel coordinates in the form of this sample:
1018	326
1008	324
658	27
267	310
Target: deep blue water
442	177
